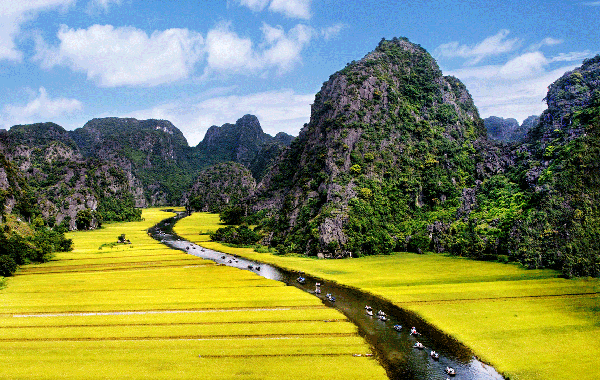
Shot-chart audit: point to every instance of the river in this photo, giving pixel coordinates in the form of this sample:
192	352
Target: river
393	349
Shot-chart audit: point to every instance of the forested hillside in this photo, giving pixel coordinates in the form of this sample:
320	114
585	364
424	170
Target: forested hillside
396	157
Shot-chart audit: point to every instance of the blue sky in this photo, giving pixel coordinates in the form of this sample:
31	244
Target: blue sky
202	63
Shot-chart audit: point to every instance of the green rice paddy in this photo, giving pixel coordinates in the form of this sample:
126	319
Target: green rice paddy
144	311
529	324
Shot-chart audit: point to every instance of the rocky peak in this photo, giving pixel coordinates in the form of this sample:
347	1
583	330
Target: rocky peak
390	118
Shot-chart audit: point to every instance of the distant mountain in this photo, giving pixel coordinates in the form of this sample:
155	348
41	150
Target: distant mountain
508	130
60	182
110	166
221	185
243	142
153	151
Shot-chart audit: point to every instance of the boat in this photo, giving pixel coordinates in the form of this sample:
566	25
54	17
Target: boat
413	331
330	297
419	345
398	327
370	313
450	371
382	318
434	355
301	280
367	307
380	312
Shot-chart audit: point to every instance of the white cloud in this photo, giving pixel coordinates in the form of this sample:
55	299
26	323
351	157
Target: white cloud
103	5
41	108
285	50
229	53
332	31
12	16
548	41
290	8
491	46
277	111
514	89
575	56
255	5
125	56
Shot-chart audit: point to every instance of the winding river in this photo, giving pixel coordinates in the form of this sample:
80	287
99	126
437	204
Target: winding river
393	349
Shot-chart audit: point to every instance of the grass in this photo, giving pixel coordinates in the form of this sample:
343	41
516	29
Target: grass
143	311
529	324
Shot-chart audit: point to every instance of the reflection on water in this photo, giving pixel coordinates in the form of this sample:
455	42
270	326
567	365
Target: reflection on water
394	349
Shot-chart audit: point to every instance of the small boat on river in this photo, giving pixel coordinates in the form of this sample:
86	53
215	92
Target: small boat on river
419	345
301	280
398	327
318	288
382	318
370	313
450	371
330	297
413	331
434	355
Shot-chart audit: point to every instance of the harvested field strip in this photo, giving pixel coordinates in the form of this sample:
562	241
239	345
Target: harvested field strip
172	324
462	300
142	266
181	337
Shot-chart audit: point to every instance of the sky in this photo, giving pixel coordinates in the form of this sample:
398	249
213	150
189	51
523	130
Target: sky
202	63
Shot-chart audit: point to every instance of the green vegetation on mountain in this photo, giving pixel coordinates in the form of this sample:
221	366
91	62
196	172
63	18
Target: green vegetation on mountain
396	158
61	184
221	185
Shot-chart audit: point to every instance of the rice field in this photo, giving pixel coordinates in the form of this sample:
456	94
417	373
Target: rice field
144	311
529	324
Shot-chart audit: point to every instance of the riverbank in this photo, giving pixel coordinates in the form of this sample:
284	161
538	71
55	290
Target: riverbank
145	311
529	324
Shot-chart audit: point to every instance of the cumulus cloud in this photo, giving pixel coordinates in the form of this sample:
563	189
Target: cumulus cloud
548	41
277	111
125	56
12	16
491	46
229	53
332	31
42	107
103	5
290	8
515	88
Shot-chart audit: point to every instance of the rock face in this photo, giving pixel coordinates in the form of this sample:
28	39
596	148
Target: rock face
111	166
388	132
509	130
244	142
153	151
221	185
56	178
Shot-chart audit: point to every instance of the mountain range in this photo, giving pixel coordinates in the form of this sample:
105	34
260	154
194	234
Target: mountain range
395	157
